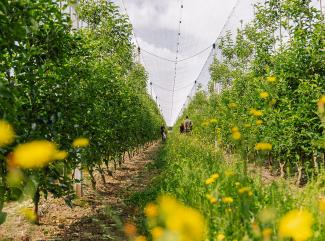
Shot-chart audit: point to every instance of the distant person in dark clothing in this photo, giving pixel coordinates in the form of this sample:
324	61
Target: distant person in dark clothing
188	125
182	128
163	133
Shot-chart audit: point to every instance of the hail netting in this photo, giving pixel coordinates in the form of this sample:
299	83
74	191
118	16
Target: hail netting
163	30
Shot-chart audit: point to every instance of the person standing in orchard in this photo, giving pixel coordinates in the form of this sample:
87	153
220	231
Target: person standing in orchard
182	128
163	133
188	125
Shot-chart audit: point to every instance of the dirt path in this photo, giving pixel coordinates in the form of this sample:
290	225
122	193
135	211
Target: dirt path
96	216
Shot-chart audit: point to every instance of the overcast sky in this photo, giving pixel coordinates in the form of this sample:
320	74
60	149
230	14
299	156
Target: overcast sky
156	25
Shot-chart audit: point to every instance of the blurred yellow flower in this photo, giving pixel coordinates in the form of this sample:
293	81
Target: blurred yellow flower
35	154
271	79
80	142
234	129
151	210
321	204
236	136
262	146
228	200
61	155
130	229
267	232
186	223
264	95
259	122
212	179
244	190
211	198
140	238
255	112
221	237
29	214
321	104
7	133
297	225
157	232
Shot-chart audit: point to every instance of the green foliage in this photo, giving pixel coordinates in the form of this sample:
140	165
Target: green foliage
291	72
58	85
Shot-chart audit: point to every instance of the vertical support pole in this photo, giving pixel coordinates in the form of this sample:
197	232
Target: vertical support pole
78	177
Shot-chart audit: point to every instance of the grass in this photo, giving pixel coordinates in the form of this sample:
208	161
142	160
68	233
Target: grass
185	163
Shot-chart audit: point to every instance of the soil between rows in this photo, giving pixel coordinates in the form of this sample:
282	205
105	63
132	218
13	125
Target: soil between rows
98	215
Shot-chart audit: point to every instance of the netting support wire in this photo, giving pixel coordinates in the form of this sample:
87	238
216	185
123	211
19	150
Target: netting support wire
176	58
196	80
136	41
180	60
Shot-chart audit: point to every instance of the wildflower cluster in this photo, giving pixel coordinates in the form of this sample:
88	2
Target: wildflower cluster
171	220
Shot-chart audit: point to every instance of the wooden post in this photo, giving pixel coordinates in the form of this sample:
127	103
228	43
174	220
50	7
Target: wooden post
78	186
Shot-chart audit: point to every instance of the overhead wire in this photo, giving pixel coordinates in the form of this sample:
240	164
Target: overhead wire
177	54
206	61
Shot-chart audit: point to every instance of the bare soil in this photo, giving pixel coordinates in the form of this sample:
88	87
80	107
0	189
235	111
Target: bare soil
98	215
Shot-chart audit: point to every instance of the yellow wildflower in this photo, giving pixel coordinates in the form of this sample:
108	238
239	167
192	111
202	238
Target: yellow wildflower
321	104
255	112
130	229
215	176
234	129
271	79
29	214
209	181
263	146
35	154
151	210
267	232
259	122
212	179
297	225
264	95
211	198
157	232
61	155
140	238
236	136
80	142
187	223
244	190
7	133
321	204
228	200
221	237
